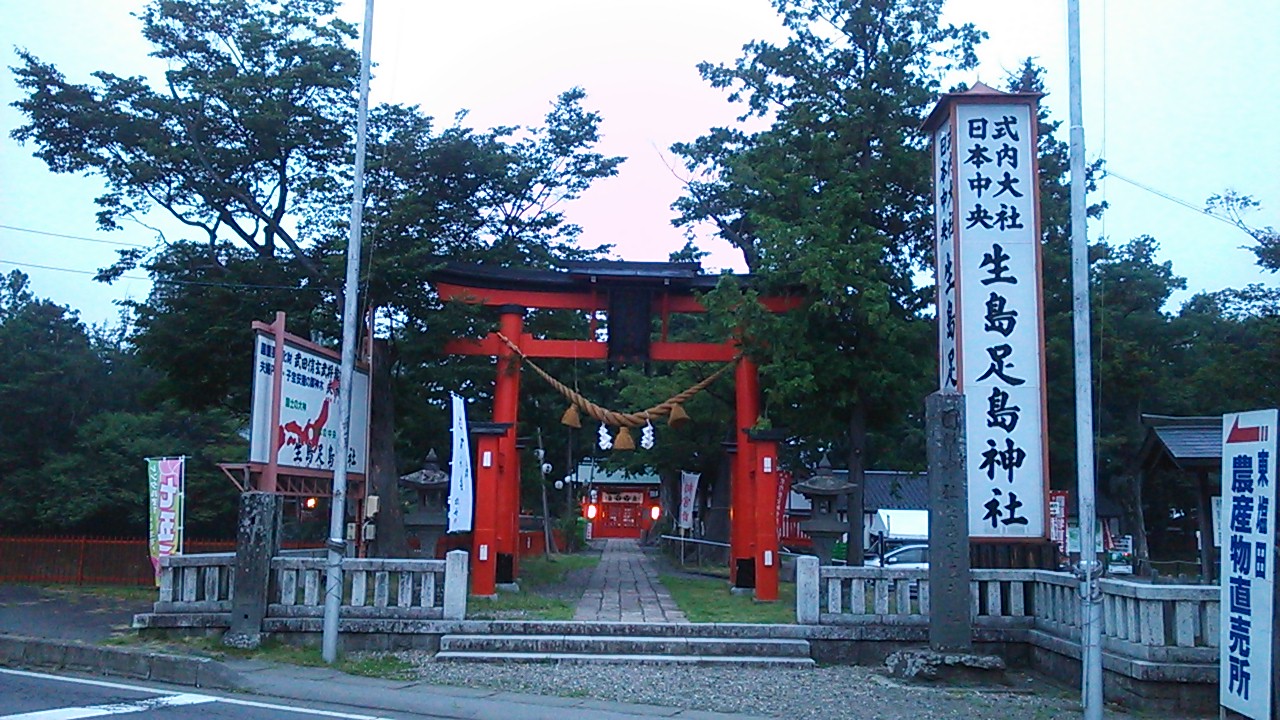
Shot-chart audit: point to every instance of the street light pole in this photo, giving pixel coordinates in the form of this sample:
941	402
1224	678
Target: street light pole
1090	569
337	543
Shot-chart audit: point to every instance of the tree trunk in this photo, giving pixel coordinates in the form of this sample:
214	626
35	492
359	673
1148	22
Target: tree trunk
383	479
857	476
1203	505
716	523
1132	494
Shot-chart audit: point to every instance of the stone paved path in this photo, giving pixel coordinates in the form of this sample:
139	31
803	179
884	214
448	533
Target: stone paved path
624	587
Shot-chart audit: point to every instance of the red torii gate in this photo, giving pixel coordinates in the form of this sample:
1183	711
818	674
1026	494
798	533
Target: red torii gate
631	293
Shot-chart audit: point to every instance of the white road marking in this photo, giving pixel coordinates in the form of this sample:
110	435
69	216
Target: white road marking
165	700
85	681
91	711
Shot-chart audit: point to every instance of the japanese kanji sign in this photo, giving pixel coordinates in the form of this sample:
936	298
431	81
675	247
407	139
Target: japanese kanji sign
308	429
989	310
1248	561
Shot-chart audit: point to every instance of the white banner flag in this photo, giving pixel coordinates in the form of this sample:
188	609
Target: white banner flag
461	488
688	491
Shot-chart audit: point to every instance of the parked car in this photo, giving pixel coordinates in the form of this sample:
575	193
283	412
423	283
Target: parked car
905	557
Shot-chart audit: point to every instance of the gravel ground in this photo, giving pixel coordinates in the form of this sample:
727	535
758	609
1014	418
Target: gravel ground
824	693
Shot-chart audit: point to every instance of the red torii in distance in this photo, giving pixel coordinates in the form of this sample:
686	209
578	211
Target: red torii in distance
631	293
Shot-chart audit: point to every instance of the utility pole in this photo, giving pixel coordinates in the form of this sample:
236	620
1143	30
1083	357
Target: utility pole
337	542
1090	569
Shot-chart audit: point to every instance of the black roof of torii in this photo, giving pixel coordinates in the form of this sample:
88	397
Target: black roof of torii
581	275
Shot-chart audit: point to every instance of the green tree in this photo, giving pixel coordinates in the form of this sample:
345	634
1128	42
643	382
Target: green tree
1235	207
834	196
194	326
1135	346
99	485
249	120
1230	342
80	419
51	383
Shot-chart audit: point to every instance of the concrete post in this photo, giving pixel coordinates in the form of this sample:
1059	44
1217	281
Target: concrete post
257	541
455	585
807	580
950	624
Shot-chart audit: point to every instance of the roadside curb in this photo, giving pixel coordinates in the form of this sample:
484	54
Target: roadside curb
18	651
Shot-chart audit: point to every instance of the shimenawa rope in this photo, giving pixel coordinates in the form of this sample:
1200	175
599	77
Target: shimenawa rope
611	417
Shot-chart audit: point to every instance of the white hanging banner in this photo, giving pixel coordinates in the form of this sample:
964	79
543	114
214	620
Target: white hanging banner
461	487
688	491
1248	562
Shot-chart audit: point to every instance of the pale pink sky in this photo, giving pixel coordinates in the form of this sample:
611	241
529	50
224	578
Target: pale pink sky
1187	109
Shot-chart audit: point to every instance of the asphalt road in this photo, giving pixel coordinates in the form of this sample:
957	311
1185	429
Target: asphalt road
40	696
65	613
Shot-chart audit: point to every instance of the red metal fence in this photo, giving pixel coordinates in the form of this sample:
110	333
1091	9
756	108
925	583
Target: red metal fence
88	560
127	561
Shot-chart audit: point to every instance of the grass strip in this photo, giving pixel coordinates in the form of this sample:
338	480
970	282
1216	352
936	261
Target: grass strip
708	600
533	602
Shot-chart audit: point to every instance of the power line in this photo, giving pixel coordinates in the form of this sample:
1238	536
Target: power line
62	269
165	281
72	237
1170	198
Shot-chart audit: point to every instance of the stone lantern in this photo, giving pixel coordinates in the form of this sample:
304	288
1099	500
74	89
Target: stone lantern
824	526
427	522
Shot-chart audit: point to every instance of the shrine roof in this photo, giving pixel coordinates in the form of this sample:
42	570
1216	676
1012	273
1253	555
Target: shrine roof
580	275
1189	442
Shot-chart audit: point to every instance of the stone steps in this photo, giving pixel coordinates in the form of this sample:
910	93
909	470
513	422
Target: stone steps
629	649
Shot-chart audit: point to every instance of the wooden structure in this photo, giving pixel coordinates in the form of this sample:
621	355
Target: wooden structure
631	295
1192	445
626	506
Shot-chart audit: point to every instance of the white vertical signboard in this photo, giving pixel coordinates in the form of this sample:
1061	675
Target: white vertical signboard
1248	562
988	248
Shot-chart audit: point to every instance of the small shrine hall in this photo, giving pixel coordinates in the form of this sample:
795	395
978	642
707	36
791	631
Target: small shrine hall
631	296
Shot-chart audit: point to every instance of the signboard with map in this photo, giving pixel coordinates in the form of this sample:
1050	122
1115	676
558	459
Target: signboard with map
308	429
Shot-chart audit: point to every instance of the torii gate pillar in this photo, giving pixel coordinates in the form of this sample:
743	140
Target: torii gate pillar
506	401
742	498
489	464
764	483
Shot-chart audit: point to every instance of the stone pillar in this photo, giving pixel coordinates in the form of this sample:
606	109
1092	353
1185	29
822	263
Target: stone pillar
807	579
257	541
455	585
950	625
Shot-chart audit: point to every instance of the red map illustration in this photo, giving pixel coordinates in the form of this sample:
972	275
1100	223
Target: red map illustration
291	433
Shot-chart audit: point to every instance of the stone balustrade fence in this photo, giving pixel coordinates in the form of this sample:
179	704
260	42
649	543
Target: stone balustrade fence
372	588
1141	622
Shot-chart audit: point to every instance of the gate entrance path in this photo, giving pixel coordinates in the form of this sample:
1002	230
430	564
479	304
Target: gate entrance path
624	587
